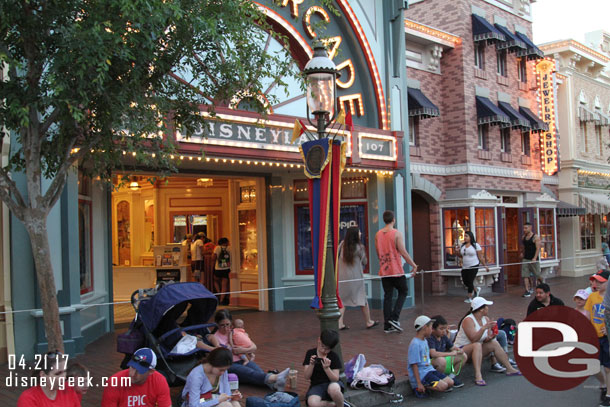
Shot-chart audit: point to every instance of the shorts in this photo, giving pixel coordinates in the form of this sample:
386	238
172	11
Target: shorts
431	377
221	273
604	353
530	269
322	391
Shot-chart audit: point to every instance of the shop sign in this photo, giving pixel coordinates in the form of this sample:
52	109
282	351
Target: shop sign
359	87
237	131
592	181
545	71
377	146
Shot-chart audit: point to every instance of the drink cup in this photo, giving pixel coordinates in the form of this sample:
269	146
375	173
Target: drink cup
233	382
292	378
495	328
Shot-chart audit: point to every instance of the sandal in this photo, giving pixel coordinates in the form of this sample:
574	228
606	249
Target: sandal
480	382
345	327
517	373
375	323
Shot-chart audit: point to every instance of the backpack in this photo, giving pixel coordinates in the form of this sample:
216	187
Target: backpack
224	258
510	327
353	366
373	377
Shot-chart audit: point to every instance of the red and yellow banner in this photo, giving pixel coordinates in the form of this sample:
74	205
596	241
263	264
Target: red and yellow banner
549	156
324	205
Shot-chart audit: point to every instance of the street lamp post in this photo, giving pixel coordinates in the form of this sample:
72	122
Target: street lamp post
321	75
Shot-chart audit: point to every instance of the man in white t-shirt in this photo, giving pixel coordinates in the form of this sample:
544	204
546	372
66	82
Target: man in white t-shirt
197	256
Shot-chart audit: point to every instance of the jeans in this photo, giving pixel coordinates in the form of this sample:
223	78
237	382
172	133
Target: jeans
502	340
389	284
249	374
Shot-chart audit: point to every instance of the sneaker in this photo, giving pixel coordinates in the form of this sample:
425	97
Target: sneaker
606	402
497	368
512	363
457	384
347	404
603	391
467	300
390	330
477	291
449	389
527	294
396	325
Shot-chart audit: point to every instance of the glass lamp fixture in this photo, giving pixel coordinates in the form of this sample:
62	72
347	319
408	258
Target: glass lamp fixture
134	186
321	74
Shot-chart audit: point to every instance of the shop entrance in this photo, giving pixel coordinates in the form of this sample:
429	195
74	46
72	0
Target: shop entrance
151	222
514	220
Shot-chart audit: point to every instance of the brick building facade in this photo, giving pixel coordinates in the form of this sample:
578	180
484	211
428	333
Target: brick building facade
584	123
475	161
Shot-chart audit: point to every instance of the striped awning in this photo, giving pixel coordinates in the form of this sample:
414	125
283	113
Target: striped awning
603	119
586	115
595	204
565	209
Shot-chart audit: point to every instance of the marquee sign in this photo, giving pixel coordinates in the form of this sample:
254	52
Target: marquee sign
359	87
545	71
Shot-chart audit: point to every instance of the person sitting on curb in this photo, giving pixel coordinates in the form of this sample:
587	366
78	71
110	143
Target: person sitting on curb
446	357
422	374
147	387
543	298
477	339
322	367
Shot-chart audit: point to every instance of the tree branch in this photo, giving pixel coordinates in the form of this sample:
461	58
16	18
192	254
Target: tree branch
49	121
15	203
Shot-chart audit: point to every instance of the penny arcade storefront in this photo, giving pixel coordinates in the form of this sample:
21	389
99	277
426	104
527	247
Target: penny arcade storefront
242	178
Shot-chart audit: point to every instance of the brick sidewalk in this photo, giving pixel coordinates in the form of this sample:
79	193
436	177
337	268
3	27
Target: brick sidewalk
283	337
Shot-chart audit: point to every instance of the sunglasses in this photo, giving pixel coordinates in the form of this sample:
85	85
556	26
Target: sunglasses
141	361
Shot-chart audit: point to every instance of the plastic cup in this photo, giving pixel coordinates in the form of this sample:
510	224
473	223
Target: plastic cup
292	378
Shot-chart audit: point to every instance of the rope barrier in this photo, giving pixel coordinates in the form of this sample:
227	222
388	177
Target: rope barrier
369	278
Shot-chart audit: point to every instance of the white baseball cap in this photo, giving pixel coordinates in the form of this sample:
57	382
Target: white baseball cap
421	321
478	302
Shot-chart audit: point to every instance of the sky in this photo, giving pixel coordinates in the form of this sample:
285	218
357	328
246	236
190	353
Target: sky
568	19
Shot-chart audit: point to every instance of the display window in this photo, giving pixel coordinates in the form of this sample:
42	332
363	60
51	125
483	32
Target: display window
547	233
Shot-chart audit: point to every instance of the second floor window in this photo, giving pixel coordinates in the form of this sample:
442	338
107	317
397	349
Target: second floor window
505	140
501	62
482	139
525	143
522	70
479	55
413	131
584	139
600	141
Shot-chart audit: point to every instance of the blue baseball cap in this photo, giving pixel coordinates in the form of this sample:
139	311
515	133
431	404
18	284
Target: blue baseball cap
143	360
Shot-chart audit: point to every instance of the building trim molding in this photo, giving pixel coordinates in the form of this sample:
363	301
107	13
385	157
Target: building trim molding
474	169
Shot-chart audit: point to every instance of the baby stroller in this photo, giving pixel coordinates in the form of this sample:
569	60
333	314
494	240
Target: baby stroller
156	326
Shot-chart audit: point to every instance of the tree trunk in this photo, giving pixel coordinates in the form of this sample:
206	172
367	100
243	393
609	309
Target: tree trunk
36	225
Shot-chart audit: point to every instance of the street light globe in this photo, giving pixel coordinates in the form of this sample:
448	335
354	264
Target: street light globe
321	73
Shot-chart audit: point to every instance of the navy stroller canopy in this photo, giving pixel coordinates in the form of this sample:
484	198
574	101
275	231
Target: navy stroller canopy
160	313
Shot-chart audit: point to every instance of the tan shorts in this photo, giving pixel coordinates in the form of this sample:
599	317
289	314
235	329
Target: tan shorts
530	269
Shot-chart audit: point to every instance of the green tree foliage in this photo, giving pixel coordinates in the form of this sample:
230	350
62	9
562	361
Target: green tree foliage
86	80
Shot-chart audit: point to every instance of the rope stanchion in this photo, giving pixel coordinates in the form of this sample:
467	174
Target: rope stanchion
288	287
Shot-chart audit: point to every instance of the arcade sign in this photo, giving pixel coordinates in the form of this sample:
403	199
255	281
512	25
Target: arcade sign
545	70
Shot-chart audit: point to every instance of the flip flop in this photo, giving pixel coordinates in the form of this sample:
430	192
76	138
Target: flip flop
480	382
517	373
375	323
344	328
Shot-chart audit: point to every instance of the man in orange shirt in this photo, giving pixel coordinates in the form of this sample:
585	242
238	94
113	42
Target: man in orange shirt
390	246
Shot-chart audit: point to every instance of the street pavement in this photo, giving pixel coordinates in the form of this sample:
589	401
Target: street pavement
283	338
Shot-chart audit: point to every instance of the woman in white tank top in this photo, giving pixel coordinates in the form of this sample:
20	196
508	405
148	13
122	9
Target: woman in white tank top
476	338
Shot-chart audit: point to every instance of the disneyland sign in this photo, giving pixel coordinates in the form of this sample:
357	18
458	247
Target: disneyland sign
255	134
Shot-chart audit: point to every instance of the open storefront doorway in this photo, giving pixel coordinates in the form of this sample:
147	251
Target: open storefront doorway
150	219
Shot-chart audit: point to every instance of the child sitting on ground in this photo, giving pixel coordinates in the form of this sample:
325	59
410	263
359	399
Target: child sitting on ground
322	367
580	298
238	338
421	373
446	357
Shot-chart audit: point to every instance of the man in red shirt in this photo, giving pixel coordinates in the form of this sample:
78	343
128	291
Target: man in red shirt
148	387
